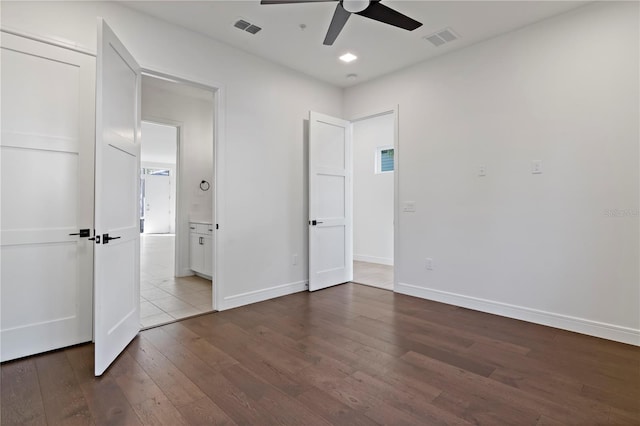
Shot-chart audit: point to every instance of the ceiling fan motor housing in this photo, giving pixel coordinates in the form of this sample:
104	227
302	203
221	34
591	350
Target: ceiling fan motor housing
355	6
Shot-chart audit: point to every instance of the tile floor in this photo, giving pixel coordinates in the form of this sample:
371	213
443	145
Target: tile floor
373	274
165	298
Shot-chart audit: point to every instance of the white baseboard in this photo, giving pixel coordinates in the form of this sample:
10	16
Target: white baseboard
237	300
373	259
565	322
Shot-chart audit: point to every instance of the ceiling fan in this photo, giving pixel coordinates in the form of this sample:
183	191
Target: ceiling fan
371	9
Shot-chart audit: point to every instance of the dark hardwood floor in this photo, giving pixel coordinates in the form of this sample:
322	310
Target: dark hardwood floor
349	355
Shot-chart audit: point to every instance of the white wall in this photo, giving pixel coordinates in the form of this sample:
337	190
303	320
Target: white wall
195	118
537	247
372	192
159	141
262	190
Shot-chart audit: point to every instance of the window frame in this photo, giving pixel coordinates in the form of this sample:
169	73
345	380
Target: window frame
378	159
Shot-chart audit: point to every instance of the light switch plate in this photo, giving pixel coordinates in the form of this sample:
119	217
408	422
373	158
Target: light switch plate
536	167
482	170
409	206
428	263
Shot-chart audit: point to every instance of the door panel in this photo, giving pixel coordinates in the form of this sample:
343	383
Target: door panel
157	201
117	261
47	193
330	202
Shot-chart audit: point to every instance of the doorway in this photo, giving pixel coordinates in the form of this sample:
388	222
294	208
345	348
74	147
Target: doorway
374	163
177	155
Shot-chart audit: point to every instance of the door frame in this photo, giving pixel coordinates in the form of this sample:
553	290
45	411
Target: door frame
217	185
180	211
395	110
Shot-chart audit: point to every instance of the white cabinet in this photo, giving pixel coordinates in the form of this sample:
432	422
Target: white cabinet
200	248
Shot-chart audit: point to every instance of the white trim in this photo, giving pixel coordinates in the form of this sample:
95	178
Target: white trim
179	207
395	110
373	259
565	322
396	196
49	40
219	171
242	299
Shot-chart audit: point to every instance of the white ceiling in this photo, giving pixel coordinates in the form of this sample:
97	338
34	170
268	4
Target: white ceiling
380	48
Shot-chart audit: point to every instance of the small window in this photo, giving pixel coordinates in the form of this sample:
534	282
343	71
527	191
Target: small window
384	159
157	172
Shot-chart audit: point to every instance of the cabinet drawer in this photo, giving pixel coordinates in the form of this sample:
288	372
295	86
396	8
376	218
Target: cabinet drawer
201	228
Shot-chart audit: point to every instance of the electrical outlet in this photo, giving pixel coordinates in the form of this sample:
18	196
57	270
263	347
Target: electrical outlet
294	259
429	264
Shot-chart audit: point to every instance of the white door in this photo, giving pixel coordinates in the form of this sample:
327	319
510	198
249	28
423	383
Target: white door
157	204
46	196
330	202
117	254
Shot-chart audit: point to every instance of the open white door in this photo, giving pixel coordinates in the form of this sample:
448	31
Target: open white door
330	202
157	204
117	251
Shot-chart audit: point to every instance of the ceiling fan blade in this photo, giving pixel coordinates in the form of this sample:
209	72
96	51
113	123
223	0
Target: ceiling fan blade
382	13
292	1
340	17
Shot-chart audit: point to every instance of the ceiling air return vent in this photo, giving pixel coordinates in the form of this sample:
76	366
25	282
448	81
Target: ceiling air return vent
441	37
246	26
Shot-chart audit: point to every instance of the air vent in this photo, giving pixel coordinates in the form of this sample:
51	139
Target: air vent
253	29
246	26
241	24
441	37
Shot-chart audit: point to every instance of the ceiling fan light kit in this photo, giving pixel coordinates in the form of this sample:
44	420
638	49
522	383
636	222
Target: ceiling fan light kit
371	9
348	57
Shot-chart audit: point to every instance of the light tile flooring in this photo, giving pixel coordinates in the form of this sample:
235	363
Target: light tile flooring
373	274
165	298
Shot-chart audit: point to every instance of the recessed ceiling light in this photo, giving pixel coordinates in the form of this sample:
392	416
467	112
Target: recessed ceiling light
348	57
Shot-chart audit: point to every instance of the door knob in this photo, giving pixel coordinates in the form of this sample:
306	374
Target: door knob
106	238
83	233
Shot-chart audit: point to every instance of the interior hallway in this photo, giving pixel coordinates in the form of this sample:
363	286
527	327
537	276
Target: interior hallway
373	274
165	298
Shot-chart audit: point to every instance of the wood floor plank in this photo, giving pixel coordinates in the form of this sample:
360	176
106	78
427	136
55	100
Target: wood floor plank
21	396
333	410
174	384
62	396
108	404
205	412
347	355
159	411
480	386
